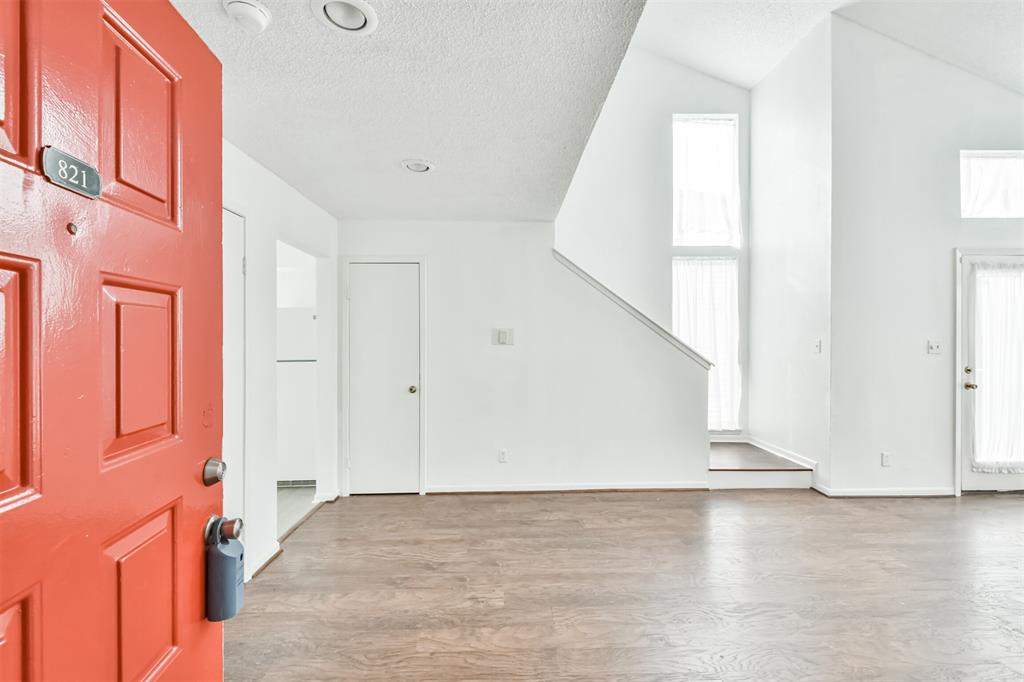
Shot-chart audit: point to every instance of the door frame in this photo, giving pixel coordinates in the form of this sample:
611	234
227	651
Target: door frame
961	344
346	263
245	357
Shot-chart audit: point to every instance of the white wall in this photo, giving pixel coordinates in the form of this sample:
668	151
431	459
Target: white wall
296	277
789	253
273	210
899	121
616	220
587	396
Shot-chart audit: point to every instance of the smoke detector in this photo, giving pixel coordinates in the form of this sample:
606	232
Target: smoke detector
417	165
356	17
251	15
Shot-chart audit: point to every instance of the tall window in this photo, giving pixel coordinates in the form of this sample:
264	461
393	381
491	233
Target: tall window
707	239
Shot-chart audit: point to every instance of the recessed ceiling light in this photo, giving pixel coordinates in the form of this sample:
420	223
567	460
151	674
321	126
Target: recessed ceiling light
417	165
351	16
249	14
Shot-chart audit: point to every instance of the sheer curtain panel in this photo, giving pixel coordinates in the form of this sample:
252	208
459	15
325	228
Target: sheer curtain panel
706	316
999	360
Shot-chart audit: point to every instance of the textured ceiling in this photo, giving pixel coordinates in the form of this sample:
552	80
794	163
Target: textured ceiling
741	41
500	95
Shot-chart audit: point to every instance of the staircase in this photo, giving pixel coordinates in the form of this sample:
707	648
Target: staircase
742	465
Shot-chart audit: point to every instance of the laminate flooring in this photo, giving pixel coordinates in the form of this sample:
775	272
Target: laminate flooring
736	585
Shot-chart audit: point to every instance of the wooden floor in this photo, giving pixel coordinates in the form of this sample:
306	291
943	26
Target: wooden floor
751	585
747	457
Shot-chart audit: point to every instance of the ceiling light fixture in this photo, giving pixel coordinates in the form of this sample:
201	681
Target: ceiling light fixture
351	16
251	15
417	165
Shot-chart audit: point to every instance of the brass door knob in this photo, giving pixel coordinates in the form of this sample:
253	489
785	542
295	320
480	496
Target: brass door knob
970	387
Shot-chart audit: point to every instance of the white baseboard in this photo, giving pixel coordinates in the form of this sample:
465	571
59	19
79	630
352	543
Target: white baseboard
255	560
330	497
557	487
883	492
729	437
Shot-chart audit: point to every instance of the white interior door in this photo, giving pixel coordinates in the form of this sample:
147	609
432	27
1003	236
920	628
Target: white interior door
233	444
992	375
384	369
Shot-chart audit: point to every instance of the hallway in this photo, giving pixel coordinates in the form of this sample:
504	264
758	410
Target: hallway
640	586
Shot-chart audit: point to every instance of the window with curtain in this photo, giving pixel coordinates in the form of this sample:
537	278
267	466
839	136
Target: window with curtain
999	360
991	184
706	316
706	182
707	242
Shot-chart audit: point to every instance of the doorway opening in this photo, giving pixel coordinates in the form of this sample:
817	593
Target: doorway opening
297	372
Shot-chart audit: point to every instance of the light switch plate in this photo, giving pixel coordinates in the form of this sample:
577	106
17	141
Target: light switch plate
503	337
934	347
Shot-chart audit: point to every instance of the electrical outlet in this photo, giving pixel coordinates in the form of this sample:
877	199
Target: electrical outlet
886	459
934	348
502	456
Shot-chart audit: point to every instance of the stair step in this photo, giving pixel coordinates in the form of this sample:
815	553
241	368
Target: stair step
782	478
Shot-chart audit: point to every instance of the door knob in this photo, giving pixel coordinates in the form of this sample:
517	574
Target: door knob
970	387
412	389
213	471
224	528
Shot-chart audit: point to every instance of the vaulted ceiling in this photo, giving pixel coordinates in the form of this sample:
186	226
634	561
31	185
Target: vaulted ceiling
500	95
740	41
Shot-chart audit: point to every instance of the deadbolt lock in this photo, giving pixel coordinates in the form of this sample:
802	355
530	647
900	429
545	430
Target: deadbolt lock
213	471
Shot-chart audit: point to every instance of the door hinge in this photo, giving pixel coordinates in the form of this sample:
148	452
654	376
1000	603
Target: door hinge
244	265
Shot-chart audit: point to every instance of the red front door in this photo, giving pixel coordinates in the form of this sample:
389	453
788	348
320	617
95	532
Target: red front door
110	342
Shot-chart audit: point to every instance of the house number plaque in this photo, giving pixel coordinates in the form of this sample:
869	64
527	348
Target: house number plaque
71	173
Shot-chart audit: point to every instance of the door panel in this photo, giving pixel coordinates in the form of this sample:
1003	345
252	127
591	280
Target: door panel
19	375
992	378
111	384
384	361
17	62
139	135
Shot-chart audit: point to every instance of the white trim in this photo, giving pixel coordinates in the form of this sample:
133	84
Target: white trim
784	453
343	279
622	303
556	487
959	254
728	437
884	492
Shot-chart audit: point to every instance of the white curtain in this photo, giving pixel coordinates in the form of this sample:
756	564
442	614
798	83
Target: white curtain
991	184
706	316
706	192
999	367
